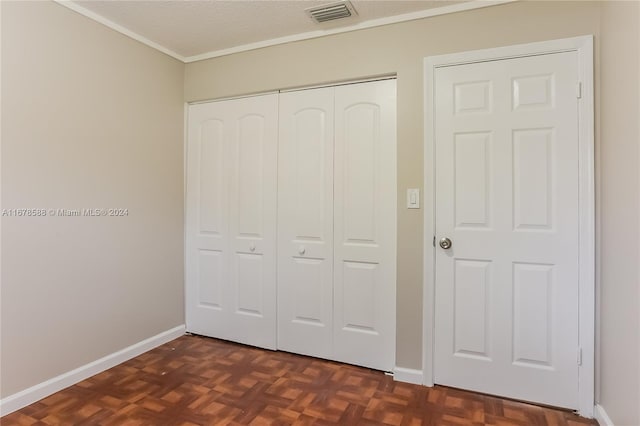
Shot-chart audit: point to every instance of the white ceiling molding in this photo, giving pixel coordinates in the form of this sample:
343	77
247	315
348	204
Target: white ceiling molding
475	4
444	10
119	28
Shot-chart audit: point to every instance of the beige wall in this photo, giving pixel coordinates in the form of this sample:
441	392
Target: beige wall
400	49
90	119
619	328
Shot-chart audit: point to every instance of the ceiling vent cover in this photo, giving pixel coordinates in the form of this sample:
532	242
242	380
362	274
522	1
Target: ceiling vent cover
331	11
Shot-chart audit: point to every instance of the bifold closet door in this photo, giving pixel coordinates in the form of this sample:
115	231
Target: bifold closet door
337	223
365	204
305	222
231	220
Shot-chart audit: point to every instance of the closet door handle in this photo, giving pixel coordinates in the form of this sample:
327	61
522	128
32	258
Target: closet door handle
252	247
301	250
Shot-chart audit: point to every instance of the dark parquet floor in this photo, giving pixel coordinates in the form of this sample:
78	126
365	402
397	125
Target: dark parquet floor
200	381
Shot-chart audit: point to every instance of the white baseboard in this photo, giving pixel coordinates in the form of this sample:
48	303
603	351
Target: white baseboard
407	375
601	416
42	390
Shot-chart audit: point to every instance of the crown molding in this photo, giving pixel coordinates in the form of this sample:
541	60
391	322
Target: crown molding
119	28
437	11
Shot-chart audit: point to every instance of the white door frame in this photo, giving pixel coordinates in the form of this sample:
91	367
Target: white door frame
586	306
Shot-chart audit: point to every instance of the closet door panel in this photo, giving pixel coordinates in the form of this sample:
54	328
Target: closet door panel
207	221
365	224
305	222
253	201
231	220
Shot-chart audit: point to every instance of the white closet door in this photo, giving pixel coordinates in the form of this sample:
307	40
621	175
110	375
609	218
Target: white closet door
365	224
305	222
231	220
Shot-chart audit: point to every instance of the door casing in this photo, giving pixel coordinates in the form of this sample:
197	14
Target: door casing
586	282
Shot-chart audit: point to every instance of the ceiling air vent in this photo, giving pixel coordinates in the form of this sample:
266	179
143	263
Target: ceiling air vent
331	11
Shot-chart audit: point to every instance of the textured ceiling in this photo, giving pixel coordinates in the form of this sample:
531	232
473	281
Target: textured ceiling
190	28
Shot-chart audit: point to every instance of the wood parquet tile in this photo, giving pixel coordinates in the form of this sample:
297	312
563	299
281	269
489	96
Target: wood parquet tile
198	381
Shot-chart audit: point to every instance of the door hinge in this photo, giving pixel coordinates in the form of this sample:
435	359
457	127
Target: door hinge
579	90
434	241
579	356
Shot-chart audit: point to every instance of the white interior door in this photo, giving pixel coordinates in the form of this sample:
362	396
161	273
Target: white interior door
365	224
305	222
507	198
231	220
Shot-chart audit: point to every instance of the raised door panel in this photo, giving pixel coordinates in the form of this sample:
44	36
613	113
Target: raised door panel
532	310
471	308
305	222
472	163
210	177
532	178
365	224
209	278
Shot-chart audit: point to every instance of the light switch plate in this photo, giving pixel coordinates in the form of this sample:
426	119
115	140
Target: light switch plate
413	198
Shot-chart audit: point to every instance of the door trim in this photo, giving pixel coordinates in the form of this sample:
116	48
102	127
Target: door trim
586	282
